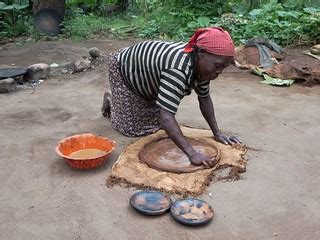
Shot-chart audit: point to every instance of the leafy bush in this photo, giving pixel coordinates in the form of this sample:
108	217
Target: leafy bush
275	22
84	26
288	23
285	24
284	21
14	19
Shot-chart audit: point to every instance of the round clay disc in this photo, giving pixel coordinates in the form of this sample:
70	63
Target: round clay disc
12	72
151	202
163	154
192	211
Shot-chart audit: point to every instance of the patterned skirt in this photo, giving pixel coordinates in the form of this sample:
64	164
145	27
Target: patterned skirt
130	114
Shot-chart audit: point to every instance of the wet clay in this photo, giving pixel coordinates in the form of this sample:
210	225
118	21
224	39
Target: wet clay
250	56
296	71
87	154
163	154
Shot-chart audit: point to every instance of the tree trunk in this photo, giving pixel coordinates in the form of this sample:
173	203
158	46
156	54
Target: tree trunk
57	5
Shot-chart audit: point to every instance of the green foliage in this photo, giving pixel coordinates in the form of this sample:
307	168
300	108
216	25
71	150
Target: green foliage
284	21
14	19
85	26
275	22
89	2
177	20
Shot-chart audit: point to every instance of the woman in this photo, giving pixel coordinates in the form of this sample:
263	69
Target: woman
148	81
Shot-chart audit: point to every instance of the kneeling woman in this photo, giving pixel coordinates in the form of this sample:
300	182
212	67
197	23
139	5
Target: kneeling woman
148	80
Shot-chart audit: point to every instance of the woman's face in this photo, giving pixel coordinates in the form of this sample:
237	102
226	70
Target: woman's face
209	66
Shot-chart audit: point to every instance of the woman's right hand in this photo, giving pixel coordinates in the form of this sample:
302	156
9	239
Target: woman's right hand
200	159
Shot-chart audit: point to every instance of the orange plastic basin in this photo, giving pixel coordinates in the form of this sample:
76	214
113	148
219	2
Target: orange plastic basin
70	145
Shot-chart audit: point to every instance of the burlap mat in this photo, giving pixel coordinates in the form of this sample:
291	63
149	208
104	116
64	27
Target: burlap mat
129	172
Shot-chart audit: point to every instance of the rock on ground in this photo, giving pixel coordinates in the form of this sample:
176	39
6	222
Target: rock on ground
38	71
94	52
7	85
81	65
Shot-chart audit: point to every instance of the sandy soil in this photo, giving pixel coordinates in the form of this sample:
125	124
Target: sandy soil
42	198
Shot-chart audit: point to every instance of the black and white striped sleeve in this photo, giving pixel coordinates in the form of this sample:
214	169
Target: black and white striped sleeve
202	88
171	90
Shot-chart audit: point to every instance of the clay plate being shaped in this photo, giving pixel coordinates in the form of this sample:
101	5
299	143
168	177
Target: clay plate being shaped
163	154
192	211
151	202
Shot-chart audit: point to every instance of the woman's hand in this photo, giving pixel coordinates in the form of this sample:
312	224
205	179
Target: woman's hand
225	139
200	159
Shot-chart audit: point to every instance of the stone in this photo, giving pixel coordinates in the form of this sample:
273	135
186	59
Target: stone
38	71
81	65
64	71
54	65
7	85
94	52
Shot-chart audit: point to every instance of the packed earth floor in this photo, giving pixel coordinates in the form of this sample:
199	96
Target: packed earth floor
42	198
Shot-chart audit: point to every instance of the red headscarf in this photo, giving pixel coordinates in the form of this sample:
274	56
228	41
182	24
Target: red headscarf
214	40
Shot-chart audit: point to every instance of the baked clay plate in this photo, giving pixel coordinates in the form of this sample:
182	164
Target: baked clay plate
151	202
163	154
12	72
192	211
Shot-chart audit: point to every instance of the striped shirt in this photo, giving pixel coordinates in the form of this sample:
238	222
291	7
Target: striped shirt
160	71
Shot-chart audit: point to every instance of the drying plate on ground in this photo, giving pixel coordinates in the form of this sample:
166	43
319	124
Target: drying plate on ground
12	72
192	211
151	202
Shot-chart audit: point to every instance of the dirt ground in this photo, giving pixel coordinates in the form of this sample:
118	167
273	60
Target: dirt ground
42	198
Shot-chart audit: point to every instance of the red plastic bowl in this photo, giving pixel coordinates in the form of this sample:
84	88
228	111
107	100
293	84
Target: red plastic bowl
85	141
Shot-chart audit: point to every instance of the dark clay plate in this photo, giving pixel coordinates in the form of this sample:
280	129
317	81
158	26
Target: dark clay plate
151	202
192	211
12	72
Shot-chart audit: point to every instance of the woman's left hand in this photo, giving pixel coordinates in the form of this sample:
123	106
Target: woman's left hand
225	139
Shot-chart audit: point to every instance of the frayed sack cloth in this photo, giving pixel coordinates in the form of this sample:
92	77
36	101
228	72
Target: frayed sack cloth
128	171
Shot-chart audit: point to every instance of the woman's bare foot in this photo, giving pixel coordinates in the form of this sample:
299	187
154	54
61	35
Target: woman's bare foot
106	107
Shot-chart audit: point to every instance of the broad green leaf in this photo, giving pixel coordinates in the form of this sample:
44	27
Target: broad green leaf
276	81
311	10
271	5
20	6
2	5
203	21
282	13
8	7
256	12
240	8
257	71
